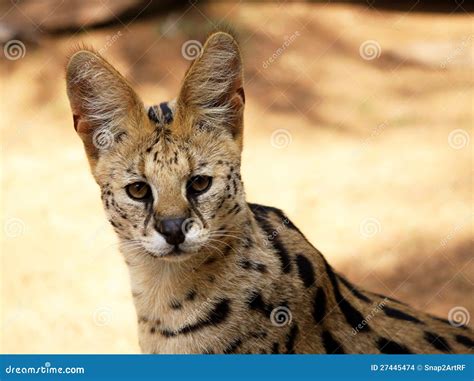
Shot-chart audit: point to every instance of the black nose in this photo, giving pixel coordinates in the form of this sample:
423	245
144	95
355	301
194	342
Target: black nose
172	230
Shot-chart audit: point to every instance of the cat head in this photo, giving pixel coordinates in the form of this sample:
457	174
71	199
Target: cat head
170	189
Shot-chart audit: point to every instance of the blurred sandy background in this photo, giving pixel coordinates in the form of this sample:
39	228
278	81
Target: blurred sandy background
360	129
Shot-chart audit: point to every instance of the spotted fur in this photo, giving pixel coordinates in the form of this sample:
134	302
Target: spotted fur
249	281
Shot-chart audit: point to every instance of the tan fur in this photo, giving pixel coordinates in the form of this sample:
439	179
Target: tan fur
249	263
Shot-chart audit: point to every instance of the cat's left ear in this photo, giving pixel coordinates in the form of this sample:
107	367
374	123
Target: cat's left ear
104	106
212	91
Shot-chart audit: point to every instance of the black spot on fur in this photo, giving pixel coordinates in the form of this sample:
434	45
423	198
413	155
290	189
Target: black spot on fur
175	305
437	342
256	303
269	209
275	348
400	315
390	347
319	305
216	316
305	270
464	340
352	316
260	267
354	290
210	260
446	321
290	339
331	345
250	265
248	243
232	347
235	209
191	295
388	298
259	334
227	249
277	244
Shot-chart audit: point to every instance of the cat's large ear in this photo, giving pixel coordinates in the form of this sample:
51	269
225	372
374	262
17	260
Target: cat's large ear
212	91
104	106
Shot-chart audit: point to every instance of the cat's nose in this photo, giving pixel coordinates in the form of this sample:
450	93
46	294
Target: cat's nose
172	230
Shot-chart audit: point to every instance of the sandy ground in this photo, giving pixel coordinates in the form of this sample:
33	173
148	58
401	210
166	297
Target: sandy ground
369	152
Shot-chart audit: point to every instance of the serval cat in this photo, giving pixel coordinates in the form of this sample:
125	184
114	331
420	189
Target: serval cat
210	272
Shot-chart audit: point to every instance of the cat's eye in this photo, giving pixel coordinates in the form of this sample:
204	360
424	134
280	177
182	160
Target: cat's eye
199	184
140	191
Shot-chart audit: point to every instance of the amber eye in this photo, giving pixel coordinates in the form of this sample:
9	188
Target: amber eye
138	191
199	184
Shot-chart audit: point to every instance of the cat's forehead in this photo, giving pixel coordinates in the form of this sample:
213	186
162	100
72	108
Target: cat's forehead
160	152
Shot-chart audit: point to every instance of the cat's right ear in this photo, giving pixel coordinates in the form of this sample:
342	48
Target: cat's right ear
103	104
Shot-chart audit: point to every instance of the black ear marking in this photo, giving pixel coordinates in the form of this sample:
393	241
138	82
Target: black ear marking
166	112
161	114
153	114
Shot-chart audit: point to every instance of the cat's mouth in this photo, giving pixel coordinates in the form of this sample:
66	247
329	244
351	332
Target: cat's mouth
175	253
